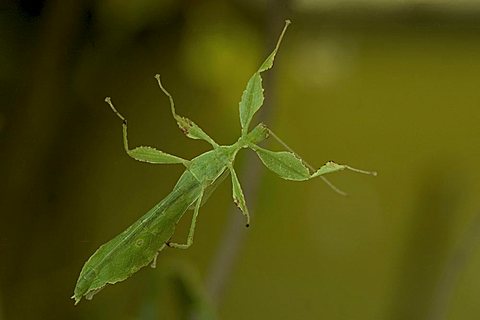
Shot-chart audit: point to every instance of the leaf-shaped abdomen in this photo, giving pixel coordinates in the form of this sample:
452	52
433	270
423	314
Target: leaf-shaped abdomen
139	244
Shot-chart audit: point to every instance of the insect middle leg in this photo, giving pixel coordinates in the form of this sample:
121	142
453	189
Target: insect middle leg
145	154
238	197
192	226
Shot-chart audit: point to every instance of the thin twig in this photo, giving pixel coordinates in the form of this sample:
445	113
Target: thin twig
453	268
232	240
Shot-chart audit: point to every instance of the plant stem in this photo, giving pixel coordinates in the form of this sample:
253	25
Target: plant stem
232	241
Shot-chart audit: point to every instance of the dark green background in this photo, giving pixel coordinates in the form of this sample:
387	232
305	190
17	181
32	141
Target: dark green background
389	88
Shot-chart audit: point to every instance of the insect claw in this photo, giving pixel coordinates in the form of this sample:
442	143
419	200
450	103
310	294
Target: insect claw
108	100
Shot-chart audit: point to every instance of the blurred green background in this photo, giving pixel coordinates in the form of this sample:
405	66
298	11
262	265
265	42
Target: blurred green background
391	86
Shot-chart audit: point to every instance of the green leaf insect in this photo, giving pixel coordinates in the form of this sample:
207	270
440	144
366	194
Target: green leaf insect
139	245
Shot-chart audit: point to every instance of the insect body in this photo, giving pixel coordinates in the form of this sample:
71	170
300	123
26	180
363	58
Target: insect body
140	243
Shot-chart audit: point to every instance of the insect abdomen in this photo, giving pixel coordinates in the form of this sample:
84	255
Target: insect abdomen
116	260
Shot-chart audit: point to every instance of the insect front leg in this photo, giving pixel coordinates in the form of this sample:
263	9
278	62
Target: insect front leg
145	154
190	128
324	179
192	226
288	164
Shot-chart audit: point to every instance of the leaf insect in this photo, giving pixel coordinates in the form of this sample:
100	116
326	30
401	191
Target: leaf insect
141	242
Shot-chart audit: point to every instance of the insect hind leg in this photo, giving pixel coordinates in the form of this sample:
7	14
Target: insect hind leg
191	232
